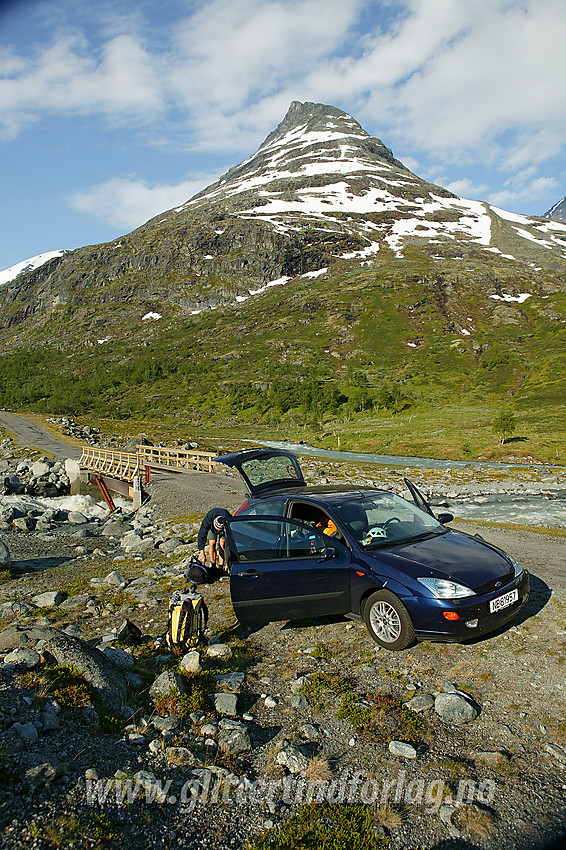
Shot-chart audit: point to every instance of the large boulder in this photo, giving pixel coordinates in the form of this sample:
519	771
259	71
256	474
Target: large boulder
108	684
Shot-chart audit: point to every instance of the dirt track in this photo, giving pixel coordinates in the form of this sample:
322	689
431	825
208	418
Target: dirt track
31	434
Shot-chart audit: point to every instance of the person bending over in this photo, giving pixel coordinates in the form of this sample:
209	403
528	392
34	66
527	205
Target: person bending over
212	529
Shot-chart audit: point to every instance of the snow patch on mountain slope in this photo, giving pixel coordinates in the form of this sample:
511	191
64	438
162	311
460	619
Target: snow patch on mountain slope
28	265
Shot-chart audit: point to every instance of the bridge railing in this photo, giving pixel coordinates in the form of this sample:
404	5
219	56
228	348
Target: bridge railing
185	460
125	466
122	465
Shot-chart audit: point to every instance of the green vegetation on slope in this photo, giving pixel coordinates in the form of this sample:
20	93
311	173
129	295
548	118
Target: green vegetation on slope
397	359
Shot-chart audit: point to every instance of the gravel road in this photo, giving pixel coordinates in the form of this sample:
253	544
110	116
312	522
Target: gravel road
31	434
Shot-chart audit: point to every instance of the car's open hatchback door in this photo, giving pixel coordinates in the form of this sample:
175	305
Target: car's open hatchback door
265	470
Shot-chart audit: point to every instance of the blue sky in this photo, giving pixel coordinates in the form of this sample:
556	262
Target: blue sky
111	112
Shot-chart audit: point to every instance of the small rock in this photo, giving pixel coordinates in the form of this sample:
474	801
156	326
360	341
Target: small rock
299	683
270	702
180	756
234	741
42	775
166	682
165	724
26	731
73	630
225	703
5	559
455	708
292	758
49	599
400	748
219	650
114	579
92	774
420	703
557	753
76	518
190	663
445	813
298	701
24	657
136	738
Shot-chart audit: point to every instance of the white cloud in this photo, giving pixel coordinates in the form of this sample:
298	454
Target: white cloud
523	188
464	188
121	202
66	77
448	81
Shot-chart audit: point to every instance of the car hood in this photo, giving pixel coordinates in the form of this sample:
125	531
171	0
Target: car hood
452	555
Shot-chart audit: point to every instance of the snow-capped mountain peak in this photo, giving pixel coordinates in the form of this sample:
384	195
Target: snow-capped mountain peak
320	168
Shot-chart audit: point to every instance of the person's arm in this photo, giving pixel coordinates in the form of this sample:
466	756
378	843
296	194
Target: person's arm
205	527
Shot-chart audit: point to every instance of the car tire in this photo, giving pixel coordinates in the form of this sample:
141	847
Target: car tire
388	621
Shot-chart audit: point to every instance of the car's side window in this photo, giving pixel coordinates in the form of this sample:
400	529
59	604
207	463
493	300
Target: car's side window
259	539
315	516
264	508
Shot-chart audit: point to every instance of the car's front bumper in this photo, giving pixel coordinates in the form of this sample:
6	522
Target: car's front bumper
431	624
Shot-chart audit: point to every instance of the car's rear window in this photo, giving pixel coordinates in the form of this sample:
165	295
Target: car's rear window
262	470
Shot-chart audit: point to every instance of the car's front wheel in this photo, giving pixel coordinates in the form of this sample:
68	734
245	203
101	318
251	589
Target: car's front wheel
388	621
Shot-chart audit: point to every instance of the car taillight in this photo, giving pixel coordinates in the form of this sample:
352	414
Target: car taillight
450	615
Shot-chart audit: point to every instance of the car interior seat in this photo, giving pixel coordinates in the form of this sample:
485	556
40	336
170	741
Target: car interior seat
355	518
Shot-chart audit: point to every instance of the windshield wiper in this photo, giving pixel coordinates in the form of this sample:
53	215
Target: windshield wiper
432	532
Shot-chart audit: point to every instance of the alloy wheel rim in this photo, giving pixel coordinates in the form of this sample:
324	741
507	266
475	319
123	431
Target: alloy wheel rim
385	622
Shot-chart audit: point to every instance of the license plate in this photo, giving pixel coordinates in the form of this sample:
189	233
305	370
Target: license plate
504	601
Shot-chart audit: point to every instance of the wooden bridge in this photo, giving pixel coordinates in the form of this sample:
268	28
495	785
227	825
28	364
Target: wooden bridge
126	472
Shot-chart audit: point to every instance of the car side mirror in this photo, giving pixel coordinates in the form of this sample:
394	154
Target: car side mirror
443	519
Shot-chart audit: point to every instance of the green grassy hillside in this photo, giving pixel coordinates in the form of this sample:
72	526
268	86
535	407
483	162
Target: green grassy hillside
399	358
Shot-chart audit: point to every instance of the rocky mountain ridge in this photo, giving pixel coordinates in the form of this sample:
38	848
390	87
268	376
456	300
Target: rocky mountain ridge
557	212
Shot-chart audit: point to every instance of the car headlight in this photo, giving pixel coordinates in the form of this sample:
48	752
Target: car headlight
517	568
445	589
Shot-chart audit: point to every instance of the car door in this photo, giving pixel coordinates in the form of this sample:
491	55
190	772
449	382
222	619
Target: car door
282	569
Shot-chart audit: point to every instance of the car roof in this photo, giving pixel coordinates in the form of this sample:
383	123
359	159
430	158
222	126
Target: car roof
322	493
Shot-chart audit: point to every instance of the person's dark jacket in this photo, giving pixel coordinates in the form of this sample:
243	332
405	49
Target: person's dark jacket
206	525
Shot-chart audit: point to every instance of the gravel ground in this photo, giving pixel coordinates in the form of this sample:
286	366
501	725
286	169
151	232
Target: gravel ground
508	765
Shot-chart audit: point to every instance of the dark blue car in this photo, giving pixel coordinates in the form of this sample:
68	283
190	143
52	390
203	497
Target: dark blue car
298	551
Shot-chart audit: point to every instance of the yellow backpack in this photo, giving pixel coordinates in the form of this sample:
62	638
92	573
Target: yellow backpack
188	617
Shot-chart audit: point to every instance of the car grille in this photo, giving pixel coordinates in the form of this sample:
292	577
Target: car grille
494	584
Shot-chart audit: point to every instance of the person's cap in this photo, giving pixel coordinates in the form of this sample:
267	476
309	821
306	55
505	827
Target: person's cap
218	523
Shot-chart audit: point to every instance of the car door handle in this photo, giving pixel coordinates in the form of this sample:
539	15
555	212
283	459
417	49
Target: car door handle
249	574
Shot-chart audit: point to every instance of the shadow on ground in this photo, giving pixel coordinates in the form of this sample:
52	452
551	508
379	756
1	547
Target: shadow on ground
36	565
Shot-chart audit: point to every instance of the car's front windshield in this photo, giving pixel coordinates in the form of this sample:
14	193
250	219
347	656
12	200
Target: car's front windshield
383	519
